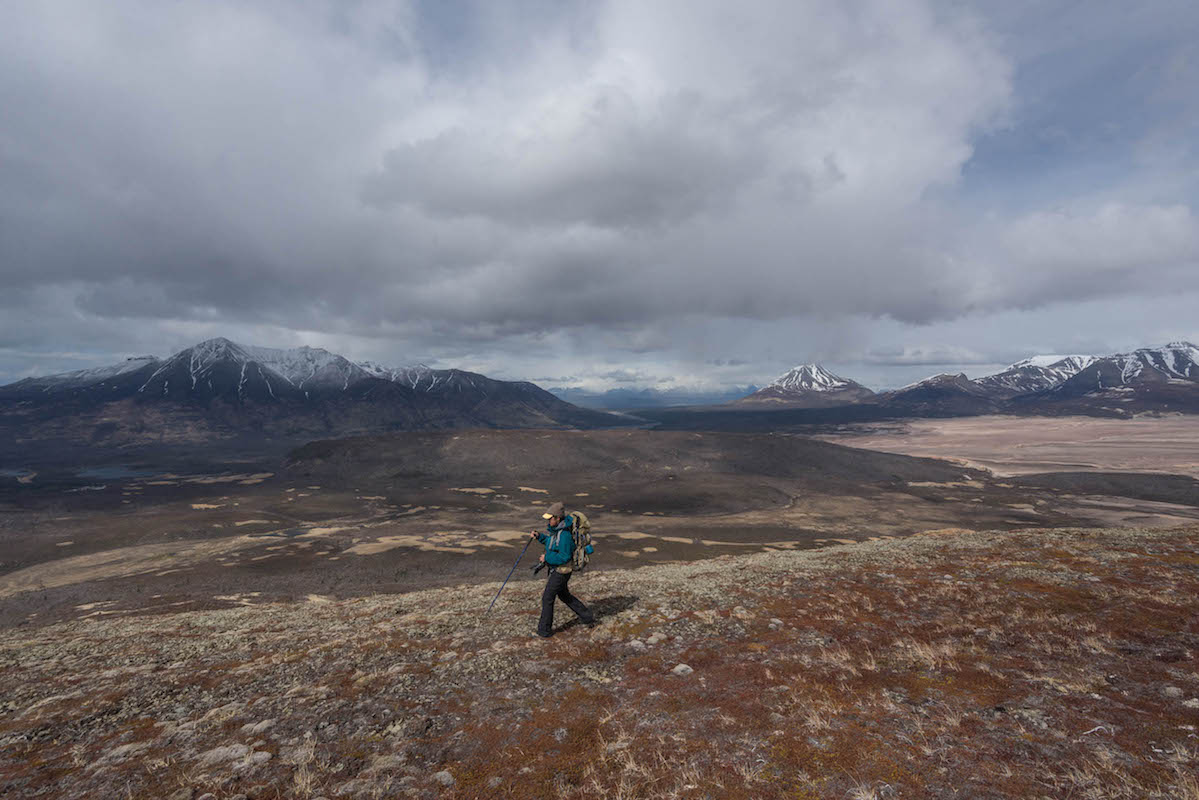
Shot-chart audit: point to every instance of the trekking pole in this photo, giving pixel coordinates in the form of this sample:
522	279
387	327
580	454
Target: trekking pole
505	583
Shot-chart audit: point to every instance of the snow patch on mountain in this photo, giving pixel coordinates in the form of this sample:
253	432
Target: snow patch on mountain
309	367
1175	360
412	377
1076	363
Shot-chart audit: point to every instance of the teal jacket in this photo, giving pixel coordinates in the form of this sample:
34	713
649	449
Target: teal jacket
559	543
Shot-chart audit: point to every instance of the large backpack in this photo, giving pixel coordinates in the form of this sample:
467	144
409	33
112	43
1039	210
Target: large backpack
580	530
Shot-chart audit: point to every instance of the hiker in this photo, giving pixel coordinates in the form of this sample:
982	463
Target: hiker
559	546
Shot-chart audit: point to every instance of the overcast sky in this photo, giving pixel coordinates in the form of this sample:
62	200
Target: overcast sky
600	194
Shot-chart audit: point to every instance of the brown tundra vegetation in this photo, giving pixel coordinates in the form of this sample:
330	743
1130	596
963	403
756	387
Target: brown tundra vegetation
1027	664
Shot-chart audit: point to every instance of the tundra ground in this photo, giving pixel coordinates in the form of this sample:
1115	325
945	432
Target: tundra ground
410	511
995	664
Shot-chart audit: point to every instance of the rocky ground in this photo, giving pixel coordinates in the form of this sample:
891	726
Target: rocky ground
954	664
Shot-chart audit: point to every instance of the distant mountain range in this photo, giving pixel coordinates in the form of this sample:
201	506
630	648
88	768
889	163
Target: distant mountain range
219	389
1150	379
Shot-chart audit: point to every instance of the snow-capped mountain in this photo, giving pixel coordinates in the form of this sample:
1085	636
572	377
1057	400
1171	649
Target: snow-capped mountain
219	388
810	378
1035	374
218	370
309	369
312	371
1151	379
808	386
1174	361
1177	361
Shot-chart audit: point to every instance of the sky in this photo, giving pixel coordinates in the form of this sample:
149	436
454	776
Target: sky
602	194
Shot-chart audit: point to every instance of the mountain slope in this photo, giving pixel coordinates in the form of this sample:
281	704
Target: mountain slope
431	399
941	395
67	381
310	369
1034	374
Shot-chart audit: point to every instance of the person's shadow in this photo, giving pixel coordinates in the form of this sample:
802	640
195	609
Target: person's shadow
604	607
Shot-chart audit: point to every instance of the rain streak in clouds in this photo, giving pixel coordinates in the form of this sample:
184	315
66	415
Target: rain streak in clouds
693	192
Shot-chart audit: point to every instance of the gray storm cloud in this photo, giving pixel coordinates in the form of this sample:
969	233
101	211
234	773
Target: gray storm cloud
390	171
614	166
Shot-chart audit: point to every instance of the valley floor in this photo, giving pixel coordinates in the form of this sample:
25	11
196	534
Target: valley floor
1022	445
164	543
994	664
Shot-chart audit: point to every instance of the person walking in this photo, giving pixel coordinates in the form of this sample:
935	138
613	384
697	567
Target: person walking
559	546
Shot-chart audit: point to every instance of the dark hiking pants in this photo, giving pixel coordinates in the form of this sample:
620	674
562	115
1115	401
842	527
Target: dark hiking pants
555	587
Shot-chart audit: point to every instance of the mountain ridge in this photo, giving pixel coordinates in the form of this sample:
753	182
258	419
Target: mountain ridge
946	394
221	389
218	388
1149	379
1163	378
1036	373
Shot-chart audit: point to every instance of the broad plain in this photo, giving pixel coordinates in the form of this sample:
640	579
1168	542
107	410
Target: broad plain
780	616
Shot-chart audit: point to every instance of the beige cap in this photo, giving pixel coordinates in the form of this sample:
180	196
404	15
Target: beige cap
555	510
